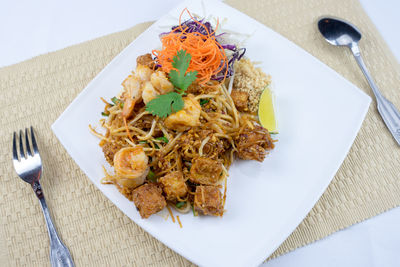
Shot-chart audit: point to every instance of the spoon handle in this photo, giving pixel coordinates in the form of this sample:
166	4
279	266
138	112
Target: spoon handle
389	113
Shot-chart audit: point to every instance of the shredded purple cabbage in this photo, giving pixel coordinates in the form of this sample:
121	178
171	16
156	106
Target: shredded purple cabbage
236	56
191	26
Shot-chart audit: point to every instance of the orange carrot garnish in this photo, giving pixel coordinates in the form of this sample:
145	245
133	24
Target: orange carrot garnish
208	56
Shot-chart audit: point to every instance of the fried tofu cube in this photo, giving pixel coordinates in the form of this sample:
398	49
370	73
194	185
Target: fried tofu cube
205	171
174	186
148	199
109	150
208	200
240	98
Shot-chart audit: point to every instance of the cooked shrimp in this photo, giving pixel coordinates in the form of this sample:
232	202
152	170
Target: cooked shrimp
143	72
133	94
188	116
161	83
149	93
131	166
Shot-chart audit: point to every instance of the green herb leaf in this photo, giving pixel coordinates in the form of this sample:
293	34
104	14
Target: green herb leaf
179	78
151	176
163	105
180	204
117	102
143	142
163	139
204	101
105	114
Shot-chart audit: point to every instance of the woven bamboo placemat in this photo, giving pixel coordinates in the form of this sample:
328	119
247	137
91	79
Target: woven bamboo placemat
36	92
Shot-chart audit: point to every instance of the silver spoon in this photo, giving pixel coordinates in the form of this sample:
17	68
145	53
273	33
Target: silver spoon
341	33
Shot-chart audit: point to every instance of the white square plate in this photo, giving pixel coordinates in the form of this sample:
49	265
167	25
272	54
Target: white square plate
319	114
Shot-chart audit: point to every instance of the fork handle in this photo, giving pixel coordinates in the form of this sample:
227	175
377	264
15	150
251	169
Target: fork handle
59	253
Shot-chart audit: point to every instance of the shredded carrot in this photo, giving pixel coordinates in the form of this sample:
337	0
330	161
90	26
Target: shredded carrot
127	131
179	221
208	56
170	213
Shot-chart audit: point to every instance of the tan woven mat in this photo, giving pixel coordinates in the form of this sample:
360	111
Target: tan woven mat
36	92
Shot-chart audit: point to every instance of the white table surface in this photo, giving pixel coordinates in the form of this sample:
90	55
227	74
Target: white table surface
31	28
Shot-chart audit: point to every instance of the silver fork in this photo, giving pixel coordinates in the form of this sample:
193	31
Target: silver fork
29	168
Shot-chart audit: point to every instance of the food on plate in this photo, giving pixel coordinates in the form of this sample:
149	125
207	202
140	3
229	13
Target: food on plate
148	199
174	186
182	117
131	166
251	80
208	200
266	111
205	171
240	99
253	142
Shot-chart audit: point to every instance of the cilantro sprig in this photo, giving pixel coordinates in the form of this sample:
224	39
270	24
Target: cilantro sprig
179	78
164	105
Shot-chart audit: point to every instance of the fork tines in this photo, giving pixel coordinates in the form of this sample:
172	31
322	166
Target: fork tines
27	146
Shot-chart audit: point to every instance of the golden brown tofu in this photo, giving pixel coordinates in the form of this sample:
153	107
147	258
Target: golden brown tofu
253	144
109	150
205	171
148	199
145	60
208	200
240	98
174	186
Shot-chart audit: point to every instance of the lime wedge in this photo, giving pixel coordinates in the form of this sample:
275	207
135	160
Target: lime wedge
266	111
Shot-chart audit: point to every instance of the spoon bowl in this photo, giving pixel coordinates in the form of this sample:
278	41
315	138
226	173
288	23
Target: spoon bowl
338	32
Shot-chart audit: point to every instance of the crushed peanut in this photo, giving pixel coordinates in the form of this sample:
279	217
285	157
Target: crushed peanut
251	80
